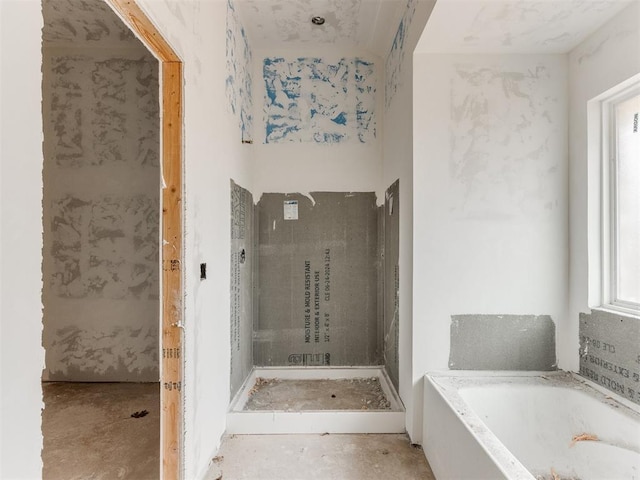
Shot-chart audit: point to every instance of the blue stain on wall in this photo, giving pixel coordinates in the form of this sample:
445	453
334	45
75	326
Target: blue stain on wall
238	83
341	119
395	58
311	100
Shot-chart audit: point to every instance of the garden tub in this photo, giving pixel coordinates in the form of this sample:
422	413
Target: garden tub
551	425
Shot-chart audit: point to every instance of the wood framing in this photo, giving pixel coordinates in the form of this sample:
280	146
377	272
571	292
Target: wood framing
172	249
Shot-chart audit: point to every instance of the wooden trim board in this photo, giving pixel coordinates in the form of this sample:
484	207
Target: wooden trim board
171	85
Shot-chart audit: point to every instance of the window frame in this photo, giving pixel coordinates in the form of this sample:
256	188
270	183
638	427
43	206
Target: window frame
609	205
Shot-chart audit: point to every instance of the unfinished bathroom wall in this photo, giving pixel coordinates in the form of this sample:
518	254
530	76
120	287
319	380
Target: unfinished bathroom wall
490	156
502	342
607	342
317	280
317	126
397	141
213	154
242	284
21	352
312	100
610	353
239	82
101	197
391	282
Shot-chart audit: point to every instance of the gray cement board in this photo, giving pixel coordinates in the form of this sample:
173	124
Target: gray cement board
242	262
380	274
610	352
502	342
392	282
317	280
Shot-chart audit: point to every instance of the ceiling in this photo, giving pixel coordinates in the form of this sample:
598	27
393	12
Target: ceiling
286	24
514	26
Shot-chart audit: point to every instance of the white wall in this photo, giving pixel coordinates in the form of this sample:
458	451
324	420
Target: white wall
213	154
606	58
490	194
306	166
21	353
398	163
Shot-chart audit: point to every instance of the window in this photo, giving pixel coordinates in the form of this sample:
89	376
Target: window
621	200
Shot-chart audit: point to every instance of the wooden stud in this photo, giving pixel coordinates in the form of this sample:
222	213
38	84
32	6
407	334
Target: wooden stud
172	249
172	288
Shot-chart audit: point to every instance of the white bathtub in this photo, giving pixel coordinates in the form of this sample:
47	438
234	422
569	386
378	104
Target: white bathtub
521	426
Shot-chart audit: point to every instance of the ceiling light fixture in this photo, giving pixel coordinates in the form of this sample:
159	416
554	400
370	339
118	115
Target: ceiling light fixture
317	20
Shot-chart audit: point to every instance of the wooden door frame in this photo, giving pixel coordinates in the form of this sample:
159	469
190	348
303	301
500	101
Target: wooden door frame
172	313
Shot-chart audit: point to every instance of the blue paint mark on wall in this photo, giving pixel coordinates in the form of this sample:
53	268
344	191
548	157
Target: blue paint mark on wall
395	58
341	119
238	83
311	100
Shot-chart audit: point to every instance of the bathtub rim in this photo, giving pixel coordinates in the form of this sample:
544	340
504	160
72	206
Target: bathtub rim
552	374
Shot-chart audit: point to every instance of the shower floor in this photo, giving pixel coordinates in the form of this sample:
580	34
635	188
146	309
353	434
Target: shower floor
323	394
316	400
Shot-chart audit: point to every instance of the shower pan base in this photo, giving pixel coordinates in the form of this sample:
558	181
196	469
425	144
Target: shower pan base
261	408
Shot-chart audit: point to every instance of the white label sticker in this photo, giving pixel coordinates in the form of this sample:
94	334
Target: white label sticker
291	210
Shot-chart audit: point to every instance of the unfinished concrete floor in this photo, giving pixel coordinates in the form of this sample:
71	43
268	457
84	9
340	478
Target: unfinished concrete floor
304	395
90	434
319	457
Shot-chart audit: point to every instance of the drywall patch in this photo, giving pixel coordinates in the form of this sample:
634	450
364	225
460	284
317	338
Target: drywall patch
610	352
94	353
395	58
392	282
101	198
506	168
104	110
312	100
69	22
287	21
318	281
242	253
239	79
502	342
105	247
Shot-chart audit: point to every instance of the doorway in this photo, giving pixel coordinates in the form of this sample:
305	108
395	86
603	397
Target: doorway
107	330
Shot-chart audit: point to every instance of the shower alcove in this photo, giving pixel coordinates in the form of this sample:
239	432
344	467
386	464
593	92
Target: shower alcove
318	274
315	222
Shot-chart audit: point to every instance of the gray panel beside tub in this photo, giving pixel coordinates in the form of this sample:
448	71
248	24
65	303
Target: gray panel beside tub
610	352
502	342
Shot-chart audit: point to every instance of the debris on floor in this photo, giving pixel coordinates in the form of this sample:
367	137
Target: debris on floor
318	457
325	394
215	468
554	475
583	437
262	382
140	414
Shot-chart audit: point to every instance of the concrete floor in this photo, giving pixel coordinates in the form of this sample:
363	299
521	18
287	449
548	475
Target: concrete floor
335	394
89	433
319	457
